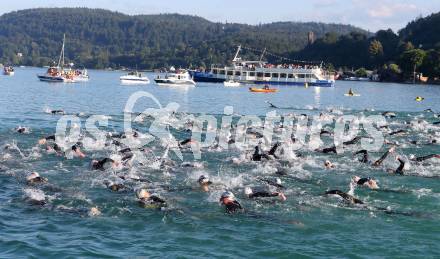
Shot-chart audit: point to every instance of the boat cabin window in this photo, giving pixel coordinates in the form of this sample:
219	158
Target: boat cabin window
230	73
301	75
266	74
275	75
291	75
244	73
259	74
282	75
237	73
251	73
221	72
214	71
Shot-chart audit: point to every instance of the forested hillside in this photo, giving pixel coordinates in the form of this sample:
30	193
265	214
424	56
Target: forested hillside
98	38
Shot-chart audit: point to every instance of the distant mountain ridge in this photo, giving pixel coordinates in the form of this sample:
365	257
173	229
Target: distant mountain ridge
98	38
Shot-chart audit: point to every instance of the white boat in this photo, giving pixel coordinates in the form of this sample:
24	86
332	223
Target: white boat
231	83
81	75
134	77
180	77
8	71
58	74
301	73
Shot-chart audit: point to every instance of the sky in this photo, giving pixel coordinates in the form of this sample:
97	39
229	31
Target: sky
371	15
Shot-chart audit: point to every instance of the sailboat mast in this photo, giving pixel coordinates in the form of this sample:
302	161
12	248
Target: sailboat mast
61	59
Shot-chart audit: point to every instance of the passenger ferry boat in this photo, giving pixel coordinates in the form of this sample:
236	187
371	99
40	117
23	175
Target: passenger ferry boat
180	77
260	72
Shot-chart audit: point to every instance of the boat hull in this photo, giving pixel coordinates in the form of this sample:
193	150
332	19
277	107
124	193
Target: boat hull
162	81
55	79
212	78
260	90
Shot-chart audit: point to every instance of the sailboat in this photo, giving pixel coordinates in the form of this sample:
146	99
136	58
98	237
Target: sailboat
57	74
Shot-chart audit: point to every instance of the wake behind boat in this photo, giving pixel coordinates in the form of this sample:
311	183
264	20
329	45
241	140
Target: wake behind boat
134	77
180	77
231	83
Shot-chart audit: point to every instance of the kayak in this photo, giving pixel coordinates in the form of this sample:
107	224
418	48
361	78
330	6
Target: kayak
352	95
262	90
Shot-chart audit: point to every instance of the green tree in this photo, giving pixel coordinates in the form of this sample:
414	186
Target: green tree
376	52
411	59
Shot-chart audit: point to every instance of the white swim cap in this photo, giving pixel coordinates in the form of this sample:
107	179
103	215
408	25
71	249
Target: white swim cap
248	191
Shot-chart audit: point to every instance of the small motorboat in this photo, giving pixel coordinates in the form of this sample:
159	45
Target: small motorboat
134	77
181	77
8	71
81	75
263	90
231	83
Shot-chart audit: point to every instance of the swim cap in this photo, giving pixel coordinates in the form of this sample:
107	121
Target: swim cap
32	176
227	195
142	193
278	181
248	191
203	180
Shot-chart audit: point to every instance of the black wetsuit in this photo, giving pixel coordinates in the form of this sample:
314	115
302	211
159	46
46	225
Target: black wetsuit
362	181
382	158
329	150
353	141
257	156
100	164
397	132
263	194
57	112
37	180
364	158
399	170
233	207
270	182
423	158
21	130
152	201
51	137
345	196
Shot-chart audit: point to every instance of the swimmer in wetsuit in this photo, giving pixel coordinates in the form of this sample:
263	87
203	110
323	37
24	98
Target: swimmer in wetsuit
204	183
384	156
46	139
34	178
22	130
77	151
231	205
423	158
147	200
258	155
329	165
100	164
399	170
251	194
347	197
367	182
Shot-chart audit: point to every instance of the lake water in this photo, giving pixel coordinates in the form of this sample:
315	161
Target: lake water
307	224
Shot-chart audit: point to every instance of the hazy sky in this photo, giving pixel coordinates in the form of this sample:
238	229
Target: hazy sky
368	14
